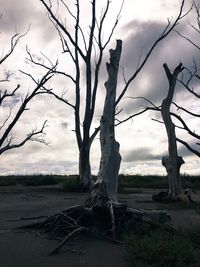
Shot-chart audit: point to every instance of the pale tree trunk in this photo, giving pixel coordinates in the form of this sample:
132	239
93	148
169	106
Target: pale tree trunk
172	162
107	180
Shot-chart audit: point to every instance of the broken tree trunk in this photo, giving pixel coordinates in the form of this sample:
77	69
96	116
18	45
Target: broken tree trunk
107	180
172	162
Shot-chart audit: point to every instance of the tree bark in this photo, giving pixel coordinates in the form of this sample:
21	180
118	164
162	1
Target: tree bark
85	177
107	180
172	162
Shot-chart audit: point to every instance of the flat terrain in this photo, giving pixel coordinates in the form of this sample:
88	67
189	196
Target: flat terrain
30	249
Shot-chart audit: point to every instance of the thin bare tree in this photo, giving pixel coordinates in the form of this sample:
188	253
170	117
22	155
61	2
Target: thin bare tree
172	161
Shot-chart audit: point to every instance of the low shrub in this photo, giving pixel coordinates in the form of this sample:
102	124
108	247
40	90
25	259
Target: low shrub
4	181
154	181
142	181
37	180
71	184
161	248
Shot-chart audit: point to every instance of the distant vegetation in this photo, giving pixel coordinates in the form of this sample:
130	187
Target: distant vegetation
34	180
70	182
155	181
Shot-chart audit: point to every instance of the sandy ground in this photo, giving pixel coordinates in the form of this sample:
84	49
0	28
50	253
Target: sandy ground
29	249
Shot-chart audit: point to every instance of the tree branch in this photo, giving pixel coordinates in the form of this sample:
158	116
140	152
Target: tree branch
196	152
6	94
62	27
29	137
187	111
13	42
50	92
23	106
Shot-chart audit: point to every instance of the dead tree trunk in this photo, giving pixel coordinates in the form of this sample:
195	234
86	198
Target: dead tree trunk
172	162
110	157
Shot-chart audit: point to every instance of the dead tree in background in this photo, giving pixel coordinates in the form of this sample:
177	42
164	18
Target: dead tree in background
81	50
8	124
172	162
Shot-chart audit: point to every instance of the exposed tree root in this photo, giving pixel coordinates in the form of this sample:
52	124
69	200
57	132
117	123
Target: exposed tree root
103	218
27	218
70	235
164	197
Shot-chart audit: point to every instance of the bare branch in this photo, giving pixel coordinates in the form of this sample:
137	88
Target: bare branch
191	90
63	28
187	111
6	94
185	127
158	108
114	26
130	117
50	92
187	39
32	60
5	121
13	42
101	50
29	137
23	107
196	152
92	137
68	9
162	122
147	100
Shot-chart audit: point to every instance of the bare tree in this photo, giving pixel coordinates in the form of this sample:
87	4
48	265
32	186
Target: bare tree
82	49
6	129
90	56
172	162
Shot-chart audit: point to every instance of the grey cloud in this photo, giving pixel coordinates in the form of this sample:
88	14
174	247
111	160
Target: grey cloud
141	154
14	15
64	125
145	154
18	17
12	101
58	167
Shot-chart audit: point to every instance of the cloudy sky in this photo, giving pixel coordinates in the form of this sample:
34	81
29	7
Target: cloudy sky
143	141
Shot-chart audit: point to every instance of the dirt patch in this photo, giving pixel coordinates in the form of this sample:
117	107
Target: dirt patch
22	249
